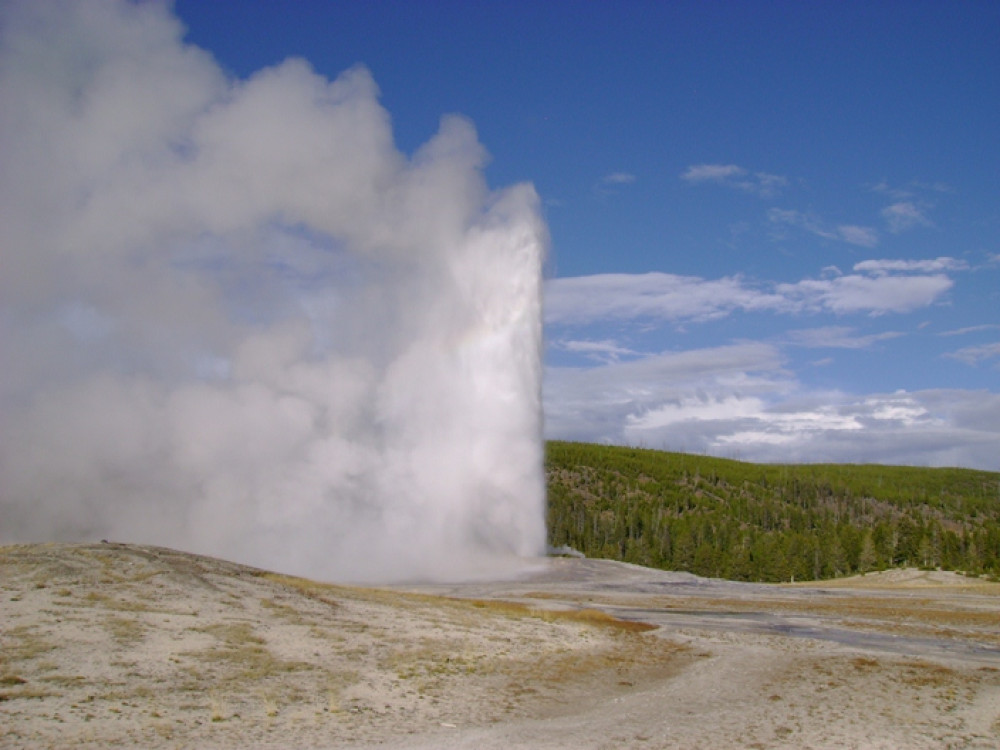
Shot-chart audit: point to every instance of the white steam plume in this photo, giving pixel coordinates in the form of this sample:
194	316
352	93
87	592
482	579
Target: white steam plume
236	320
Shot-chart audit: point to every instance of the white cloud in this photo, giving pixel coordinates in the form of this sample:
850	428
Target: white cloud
973	355
695	408
586	299
899	194
805	426
762	184
740	403
793	218
612	183
604	350
971	329
904	215
619	178
912	189
594	403
753	421
855	235
874	295
836	337
901	408
850	233
932	265
765	184
712	172
935	187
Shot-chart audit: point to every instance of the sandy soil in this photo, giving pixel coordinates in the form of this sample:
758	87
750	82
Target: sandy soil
109	644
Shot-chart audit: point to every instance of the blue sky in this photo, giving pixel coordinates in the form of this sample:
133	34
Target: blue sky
774	226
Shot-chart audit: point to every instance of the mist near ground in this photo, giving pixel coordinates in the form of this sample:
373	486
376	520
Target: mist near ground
237	320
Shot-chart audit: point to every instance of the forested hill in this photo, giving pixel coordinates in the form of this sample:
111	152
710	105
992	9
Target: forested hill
765	522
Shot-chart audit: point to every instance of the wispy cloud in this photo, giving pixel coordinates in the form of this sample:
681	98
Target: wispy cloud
712	172
910	203
762	184
930	265
896	193
911	189
613	182
874	289
855	235
850	233
936	187
973	355
604	350
971	329
618	178
904	215
836	337
875	295
585	299
794	218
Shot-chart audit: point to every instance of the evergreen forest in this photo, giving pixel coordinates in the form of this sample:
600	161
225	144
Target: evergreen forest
768	522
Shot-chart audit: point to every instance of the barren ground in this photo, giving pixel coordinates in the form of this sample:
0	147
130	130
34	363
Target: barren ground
111	644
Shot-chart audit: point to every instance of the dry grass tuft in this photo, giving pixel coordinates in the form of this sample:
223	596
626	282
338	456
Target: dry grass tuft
587	616
928	675
320	592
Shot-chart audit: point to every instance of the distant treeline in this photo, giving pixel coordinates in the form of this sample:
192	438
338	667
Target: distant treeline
765	522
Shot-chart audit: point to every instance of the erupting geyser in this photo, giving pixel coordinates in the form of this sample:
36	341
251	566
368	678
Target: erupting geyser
235	319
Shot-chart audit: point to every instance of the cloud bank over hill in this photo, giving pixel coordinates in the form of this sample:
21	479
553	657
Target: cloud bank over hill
237	320
741	399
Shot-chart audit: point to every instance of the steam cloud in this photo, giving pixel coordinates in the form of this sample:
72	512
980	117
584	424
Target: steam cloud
235	319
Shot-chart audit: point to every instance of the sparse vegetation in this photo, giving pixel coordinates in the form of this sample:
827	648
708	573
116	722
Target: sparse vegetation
178	643
587	616
126	631
217	652
319	592
761	522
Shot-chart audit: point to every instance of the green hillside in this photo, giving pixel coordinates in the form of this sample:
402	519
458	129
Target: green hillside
766	522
